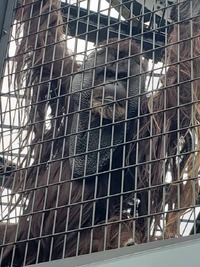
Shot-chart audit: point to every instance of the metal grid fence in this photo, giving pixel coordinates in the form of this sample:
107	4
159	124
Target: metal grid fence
99	143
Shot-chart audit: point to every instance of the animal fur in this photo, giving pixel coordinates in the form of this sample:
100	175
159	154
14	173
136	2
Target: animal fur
60	220
83	221
5	230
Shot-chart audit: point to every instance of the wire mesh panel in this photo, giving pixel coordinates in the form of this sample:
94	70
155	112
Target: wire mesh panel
99	127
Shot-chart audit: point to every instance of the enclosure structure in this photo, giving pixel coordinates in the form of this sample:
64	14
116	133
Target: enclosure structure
99	144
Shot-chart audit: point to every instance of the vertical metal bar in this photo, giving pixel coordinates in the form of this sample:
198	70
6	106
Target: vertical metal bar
2	16
6	17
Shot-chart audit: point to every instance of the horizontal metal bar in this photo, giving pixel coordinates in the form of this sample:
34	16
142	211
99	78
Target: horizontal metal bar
153	41
179	252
